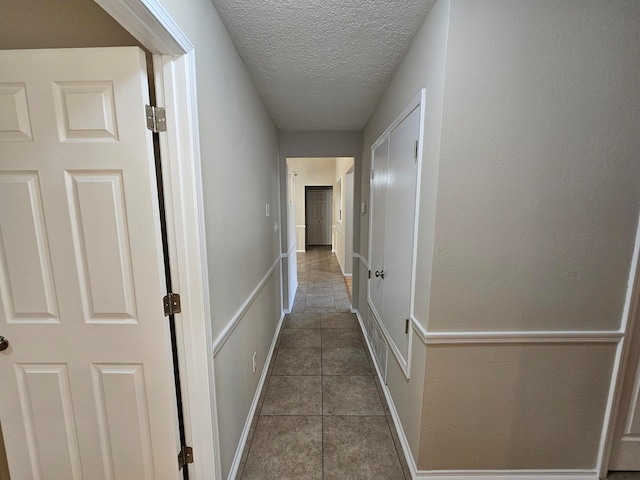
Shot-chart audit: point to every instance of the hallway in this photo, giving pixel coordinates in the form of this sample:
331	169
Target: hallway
322	413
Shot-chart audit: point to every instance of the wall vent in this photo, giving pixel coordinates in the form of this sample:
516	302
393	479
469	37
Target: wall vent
378	344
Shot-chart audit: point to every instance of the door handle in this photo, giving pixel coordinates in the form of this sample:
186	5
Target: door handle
4	343
380	274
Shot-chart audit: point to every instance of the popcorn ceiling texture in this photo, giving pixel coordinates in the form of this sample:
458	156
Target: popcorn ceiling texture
322	64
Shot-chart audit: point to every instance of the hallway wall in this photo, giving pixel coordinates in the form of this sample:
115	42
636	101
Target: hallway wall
541	132
423	66
531	198
239	151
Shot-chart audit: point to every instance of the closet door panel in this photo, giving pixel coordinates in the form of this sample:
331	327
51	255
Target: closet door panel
400	223
379	165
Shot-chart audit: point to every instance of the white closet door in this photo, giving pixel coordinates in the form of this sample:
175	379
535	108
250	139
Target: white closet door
377	229
401	187
87	384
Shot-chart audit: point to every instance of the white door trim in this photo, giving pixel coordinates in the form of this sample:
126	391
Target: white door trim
174	70
150	24
629	315
187	258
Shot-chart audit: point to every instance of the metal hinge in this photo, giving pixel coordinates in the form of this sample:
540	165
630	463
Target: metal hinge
406	326
171	303
415	150
185	456
156	119
369	273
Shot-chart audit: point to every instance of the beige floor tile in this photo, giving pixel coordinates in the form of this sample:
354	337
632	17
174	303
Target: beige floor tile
341	337
340	320
359	448
304	320
294	395
350	395
300	337
345	361
285	448
297	361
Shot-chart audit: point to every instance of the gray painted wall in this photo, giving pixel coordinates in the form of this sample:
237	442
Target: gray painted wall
539	173
59	24
531	197
537	208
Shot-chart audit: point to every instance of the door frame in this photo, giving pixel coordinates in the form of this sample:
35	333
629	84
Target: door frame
175	80
630	332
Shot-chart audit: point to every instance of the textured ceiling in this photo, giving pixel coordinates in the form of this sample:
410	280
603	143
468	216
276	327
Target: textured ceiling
322	64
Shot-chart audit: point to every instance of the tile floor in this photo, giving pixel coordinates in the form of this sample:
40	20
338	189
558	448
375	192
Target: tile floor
322	414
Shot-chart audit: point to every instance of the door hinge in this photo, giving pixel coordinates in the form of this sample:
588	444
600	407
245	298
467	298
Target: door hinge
369	273
371	175
406	326
156	119
415	150
185	456
171	302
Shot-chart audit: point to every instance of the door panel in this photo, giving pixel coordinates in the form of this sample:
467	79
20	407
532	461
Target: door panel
45	397
101	245
118	388
399	223
379	166
87	386
26	282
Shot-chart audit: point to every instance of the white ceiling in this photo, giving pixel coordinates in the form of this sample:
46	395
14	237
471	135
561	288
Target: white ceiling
322	64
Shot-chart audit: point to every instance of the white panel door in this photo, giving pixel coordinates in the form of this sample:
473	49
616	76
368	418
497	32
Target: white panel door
87	388
626	447
401	186
379	179
319	217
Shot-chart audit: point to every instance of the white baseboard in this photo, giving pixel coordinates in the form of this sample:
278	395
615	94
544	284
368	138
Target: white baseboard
252	411
392	408
506	475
